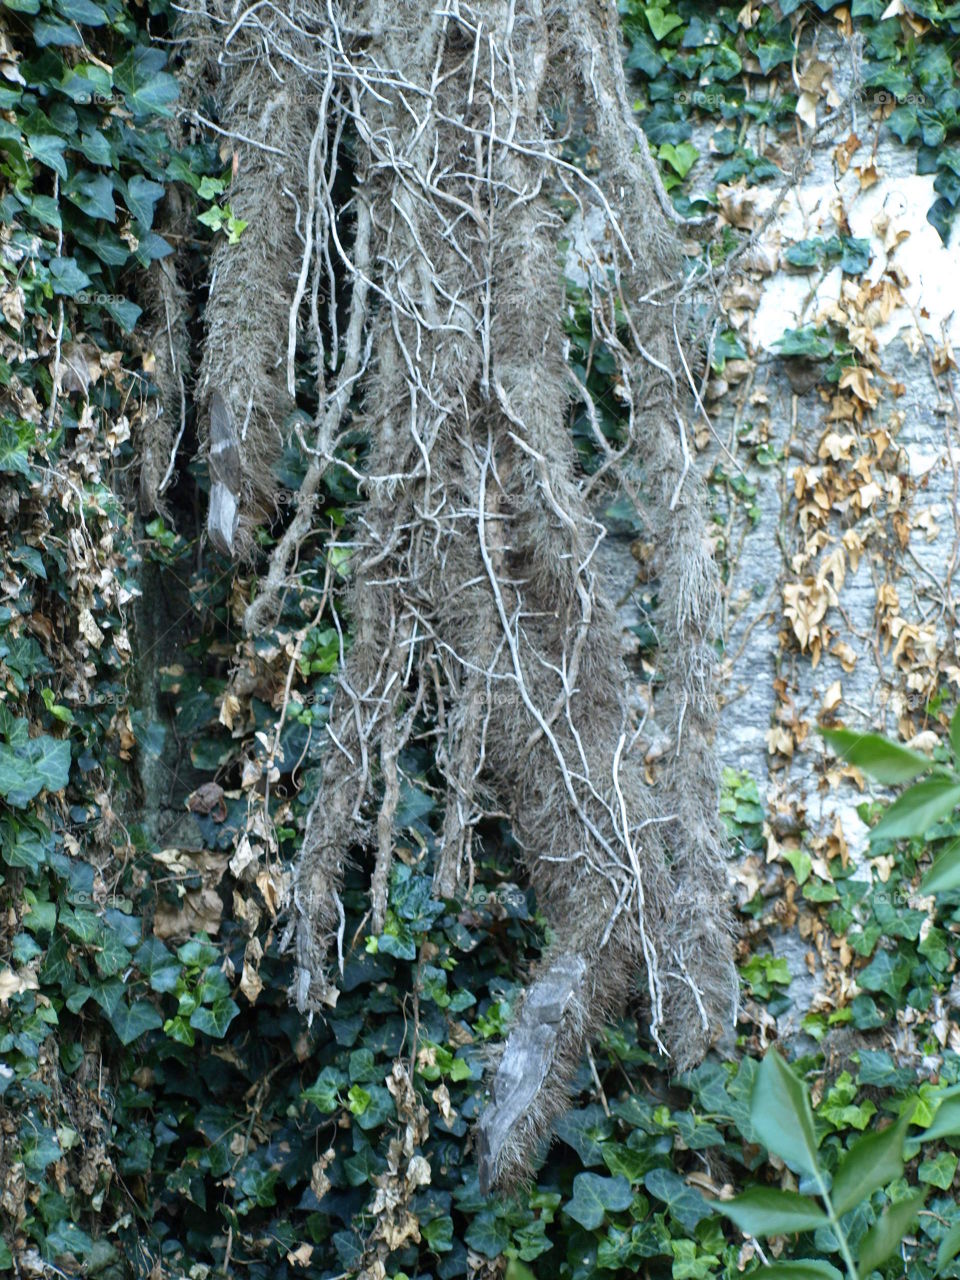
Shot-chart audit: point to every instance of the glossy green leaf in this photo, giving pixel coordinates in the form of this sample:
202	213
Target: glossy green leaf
800	1269
781	1116
872	1162
763	1211
93	194
944	875
67	277
916	811
949	1247
882	759
488	1234
946	1119
142	197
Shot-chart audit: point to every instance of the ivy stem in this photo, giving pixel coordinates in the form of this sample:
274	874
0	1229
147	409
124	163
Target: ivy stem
837	1229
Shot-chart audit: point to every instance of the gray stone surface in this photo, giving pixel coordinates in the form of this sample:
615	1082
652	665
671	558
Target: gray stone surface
916	491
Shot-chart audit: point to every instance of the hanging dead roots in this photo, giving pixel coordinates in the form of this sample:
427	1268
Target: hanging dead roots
474	591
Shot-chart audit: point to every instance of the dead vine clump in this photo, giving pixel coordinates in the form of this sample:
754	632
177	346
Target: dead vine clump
167	308
475	595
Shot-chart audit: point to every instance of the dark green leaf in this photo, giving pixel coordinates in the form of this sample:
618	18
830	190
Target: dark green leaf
593	1195
686	1204
324	1092
48	149
26	769
214	1019
889	971
130	1021
805	342
949	1247
126	315
67	277
885	1235
142	197
856	255
147	90
93	193
47	30
85	11
870	1163
586	1131
488	1234
762	1211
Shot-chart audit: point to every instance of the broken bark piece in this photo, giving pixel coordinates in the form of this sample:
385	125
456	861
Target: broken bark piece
225	476
527	1060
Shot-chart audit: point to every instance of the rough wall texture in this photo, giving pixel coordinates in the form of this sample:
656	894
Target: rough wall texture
835	505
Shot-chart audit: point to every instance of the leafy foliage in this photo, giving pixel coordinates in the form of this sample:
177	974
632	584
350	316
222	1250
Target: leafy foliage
164	1111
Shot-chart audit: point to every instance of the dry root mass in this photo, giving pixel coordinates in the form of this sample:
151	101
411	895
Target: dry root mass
431	310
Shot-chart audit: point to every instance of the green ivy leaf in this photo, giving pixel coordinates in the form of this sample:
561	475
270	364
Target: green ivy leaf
214	1019
26	769
157	965
593	1195
687	1205
940	1171
889	971
130	1021
487	1234
856	255
438	1234
67	277
324	1092
147	89
944	875
661	23
142	197
85	11
48	149
681	158
93	194
586	1131
805	342
379	1108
